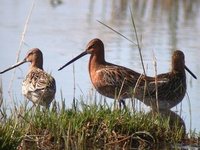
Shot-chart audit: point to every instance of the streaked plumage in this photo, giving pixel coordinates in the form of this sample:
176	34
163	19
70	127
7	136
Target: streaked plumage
38	86
119	82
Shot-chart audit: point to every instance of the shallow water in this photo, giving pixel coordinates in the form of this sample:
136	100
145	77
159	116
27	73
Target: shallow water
62	30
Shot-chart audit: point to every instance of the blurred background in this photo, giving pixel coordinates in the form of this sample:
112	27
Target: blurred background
62	29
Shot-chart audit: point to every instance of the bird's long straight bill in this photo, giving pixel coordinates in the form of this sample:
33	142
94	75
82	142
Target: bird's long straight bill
14	66
74	59
192	74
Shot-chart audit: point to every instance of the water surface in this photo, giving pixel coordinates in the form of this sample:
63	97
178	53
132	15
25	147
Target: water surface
62	30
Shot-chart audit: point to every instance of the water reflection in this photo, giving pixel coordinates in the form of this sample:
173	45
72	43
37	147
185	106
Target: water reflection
175	121
55	3
174	125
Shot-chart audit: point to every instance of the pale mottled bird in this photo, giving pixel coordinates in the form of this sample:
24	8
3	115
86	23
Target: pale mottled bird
38	86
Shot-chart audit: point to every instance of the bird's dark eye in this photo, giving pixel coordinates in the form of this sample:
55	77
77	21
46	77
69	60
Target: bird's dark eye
90	47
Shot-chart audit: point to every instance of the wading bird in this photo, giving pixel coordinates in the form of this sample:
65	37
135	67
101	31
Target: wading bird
38	86
118	82
168	89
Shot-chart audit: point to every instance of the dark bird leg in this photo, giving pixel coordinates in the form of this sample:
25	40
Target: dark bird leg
122	102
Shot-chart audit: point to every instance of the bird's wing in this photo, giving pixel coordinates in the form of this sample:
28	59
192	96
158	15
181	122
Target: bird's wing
37	79
117	76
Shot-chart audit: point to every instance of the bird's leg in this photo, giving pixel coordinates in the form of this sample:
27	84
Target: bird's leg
33	106
122	102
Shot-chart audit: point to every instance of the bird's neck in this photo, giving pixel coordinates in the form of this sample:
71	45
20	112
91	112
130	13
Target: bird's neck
37	64
95	62
178	67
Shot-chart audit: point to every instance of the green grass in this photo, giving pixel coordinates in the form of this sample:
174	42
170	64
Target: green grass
91	126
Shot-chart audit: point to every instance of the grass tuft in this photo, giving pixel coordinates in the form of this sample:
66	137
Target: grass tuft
94	126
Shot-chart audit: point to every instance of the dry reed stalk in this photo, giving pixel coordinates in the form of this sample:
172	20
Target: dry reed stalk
20	47
17	59
117	32
190	112
74	92
138	42
1	93
135	88
120	91
156	79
